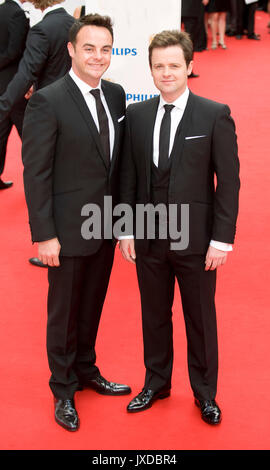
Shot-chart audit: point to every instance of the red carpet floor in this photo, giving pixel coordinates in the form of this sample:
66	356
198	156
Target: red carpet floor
238	76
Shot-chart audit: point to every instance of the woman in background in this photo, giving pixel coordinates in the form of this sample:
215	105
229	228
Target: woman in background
217	10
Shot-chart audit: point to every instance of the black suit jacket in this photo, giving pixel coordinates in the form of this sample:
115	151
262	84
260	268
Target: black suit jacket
191	8
14	27
45	59
211	151
64	165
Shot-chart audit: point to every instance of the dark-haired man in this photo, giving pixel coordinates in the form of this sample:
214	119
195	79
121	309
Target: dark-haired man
14	27
175	144
71	161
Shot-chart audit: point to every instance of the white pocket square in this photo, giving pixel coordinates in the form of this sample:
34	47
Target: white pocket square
121	118
195	137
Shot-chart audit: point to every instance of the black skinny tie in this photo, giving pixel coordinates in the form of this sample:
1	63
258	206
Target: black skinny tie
103	124
164	137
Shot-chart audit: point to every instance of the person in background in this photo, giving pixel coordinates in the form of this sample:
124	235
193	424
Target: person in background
45	60
246	20
79	12
268	9
192	16
217	10
14	27
231	19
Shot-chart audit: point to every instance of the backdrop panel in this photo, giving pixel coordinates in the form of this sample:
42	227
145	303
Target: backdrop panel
135	23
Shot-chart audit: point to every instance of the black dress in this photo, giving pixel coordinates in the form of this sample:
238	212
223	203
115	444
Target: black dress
217	6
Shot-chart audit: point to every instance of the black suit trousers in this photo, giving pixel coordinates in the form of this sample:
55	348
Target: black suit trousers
77	290
14	118
245	17
157	272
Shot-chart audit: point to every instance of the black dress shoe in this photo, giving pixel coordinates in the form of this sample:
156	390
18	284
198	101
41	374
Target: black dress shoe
66	414
37	262
193	75
254	36
145	400
210	411
104	387
5	185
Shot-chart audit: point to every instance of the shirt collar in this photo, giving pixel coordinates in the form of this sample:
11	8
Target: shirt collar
83	86
49	9
180	102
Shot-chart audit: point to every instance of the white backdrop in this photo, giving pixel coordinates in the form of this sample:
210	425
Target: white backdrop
135	22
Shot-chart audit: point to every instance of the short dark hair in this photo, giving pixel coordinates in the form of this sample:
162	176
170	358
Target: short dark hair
172	38
90	20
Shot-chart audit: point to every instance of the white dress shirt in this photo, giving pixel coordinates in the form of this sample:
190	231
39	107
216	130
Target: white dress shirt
48	9
91	104
176	116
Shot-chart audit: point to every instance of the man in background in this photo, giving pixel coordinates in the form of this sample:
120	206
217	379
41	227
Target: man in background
14	27
45	60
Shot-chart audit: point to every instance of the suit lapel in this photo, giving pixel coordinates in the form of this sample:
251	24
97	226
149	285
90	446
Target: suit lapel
81	104
112	105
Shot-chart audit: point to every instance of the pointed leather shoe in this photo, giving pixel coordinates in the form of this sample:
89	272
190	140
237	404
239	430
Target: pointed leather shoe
66	414
5	185
37	262
145	400
104	387
210	411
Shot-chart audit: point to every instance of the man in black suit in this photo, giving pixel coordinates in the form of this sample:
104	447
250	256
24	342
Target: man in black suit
70	161
14	27
45	60
193	19
175	145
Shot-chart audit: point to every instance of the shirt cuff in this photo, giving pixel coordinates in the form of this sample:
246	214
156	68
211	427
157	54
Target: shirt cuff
221	246
125	237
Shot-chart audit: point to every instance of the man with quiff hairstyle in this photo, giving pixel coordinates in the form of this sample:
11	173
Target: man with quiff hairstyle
176	144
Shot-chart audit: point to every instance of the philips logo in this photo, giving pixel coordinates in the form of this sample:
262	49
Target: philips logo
138	97
124	51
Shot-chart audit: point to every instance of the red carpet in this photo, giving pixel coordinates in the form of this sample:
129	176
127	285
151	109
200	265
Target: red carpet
238	76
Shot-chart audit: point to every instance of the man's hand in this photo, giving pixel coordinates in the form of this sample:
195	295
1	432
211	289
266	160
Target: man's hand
215	258
127	249
48	252
29	93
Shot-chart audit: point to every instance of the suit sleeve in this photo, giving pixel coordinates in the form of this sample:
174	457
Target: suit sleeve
30	67
39	140
17	30
226	166
128	177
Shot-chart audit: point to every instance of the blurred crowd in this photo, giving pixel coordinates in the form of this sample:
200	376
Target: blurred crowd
209	21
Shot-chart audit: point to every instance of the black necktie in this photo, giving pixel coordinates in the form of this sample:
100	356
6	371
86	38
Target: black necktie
103	124
164	137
